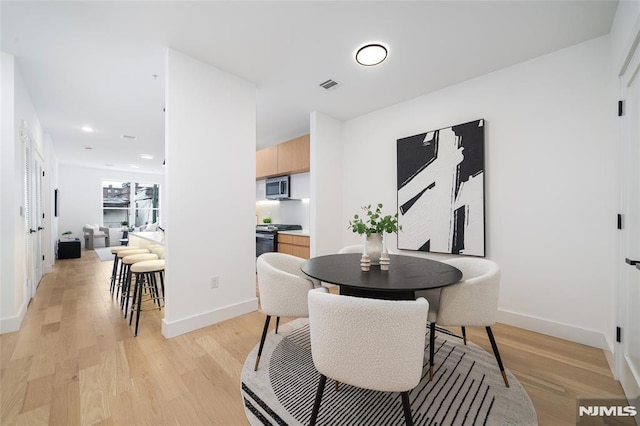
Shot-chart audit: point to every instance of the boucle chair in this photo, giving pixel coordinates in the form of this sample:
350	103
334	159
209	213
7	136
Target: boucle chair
283	290
95	232
368	343
473	302
356	248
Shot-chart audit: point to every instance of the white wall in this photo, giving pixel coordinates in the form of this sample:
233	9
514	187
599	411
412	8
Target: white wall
17	109
327	181
210	180
550	181
81	194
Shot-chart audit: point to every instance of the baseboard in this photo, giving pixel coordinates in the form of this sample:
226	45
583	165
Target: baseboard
11	324
185	325
551	328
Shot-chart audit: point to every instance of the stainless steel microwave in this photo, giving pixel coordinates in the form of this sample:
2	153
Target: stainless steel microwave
278	188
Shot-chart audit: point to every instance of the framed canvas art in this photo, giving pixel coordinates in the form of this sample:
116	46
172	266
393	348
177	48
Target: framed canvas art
441	190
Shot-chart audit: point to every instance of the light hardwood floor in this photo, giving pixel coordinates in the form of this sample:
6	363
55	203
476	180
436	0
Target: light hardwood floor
75	361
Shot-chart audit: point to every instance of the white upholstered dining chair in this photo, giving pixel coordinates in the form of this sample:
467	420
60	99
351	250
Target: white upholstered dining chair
283	290
472	302
368	343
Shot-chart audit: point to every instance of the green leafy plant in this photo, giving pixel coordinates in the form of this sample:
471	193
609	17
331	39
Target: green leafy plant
373	221
124	223
266	220
67	233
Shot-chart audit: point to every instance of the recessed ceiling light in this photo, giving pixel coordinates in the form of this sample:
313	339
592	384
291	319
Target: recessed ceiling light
146	156
87	129
128	137
109	165
371	54
134	166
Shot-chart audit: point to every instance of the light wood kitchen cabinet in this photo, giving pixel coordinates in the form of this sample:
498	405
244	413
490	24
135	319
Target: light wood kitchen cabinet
295	245
286	158
293	156
267	162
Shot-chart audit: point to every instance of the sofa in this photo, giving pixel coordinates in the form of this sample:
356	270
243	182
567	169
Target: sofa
93	233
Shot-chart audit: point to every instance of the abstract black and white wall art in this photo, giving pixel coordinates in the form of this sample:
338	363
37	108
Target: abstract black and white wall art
441	190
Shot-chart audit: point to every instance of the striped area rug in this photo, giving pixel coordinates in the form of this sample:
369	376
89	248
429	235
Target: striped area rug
467	388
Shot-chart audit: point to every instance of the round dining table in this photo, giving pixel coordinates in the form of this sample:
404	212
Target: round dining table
406	275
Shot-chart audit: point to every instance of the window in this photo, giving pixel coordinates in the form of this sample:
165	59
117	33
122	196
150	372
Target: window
118	210
116	203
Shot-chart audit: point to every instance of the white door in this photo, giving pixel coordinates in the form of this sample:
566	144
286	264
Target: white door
628	351
34	221
38	220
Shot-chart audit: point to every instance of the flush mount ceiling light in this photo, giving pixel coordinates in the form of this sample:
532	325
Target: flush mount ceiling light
87	129
371	54
146	156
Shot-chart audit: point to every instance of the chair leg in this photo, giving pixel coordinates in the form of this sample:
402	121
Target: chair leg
407	408
316	404
464	334
494	346
264	335
277	324
432	342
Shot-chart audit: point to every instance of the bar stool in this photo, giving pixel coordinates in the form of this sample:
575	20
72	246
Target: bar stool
146	273
115	251
159	250
127	261
124	253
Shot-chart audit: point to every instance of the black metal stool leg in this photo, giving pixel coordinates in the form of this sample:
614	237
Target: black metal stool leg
277	324
114	272
464	334
139	303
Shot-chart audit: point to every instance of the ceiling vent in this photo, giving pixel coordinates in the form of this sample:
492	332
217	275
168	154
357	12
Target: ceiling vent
329	84
128	137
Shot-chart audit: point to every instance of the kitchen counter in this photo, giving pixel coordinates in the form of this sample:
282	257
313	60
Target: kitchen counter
300	233
143	239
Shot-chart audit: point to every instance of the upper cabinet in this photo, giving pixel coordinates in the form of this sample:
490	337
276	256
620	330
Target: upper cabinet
267	162
284	159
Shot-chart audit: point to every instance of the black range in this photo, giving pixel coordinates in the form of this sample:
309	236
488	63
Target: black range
267	236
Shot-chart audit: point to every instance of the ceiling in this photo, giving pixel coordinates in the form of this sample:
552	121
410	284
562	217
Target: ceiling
102	63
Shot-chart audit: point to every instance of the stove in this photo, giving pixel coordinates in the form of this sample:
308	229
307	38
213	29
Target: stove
267	236
275	227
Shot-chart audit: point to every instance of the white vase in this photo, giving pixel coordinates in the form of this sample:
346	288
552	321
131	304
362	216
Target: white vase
374	248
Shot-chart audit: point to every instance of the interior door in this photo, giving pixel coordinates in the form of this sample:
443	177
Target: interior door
29	223
38	220
628	351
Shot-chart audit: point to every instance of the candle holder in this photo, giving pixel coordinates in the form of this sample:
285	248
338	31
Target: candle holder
384	261
365	263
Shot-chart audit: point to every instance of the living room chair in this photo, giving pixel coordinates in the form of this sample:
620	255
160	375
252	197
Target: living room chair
368	343
95	232
473	302
283	290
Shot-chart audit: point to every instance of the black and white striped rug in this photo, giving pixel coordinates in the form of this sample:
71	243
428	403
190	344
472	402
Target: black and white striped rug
467	388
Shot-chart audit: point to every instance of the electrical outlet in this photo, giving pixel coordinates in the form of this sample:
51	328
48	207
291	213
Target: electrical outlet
215	282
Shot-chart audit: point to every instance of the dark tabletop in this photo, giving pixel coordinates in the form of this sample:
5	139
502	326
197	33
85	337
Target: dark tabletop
406	274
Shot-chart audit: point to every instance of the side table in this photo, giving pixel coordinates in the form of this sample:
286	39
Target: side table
69	248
